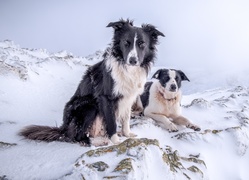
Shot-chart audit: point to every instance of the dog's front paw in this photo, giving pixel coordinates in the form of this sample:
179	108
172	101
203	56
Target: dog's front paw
132	134
115	139
172	127
194	127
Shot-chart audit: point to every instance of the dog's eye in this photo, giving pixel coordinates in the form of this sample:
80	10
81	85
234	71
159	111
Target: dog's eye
141	44
177	78
127	43
167	79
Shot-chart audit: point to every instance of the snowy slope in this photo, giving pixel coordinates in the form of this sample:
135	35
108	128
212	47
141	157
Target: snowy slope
36	84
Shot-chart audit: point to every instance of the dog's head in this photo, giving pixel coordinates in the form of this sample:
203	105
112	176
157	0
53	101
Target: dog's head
134	45
170	79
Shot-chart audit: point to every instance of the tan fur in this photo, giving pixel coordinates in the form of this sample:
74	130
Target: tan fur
137	107
169	106
97	128
164	108
97	133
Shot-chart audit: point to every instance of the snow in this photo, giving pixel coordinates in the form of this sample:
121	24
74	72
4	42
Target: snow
36	84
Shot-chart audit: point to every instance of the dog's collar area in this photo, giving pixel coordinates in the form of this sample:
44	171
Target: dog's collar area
171	99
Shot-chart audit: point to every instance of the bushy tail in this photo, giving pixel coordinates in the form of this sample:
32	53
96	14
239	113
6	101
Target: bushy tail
42	133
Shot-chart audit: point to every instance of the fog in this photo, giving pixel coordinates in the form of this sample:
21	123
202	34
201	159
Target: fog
205	35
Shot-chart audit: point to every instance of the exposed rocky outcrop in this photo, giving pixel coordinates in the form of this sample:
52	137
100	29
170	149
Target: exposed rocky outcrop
134	159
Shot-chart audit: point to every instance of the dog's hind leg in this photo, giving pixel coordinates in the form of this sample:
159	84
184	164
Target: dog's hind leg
180	120
79	114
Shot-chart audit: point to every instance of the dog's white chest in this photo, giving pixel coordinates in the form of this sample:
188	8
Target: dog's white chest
167	107
129	80
171	108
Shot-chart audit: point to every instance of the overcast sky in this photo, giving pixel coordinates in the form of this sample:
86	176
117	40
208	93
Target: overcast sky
199	33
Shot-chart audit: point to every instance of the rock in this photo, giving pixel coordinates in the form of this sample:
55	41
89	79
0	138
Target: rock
124	166
193	159
99	166
136	159
172	159
6	145
122	147
195	170
175	161
199	103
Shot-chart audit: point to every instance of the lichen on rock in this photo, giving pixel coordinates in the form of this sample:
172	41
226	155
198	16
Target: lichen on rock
122	147
124	166
99	166
176	162
134	159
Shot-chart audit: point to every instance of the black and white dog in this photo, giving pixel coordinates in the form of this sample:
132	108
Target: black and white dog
108	89
161	100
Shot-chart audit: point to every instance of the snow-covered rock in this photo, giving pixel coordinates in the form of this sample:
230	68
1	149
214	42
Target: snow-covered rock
136	159
19	61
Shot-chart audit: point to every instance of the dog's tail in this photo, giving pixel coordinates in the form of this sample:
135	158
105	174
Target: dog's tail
42	133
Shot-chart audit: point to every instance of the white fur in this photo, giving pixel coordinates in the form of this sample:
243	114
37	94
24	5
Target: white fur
133	52
160	106
129	82
159	109
115	139
164	107
172	75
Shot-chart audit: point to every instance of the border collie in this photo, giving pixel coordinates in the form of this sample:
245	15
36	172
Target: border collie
161	100
107	90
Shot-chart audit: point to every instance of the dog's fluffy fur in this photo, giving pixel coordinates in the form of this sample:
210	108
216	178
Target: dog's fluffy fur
108	89
161	100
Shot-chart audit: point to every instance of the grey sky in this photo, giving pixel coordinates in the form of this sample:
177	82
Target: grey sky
201	34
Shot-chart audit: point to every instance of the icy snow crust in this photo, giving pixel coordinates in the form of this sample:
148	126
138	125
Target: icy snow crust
36	84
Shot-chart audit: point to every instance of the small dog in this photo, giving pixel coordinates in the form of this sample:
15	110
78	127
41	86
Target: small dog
161	100
107	90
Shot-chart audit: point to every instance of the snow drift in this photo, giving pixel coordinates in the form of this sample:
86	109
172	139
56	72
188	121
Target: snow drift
36	84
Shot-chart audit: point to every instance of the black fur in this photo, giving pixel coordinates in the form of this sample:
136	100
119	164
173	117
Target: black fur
163	76
146	94
126	29
94	95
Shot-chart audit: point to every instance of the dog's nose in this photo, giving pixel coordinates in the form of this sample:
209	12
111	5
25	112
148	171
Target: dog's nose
133	61
172	87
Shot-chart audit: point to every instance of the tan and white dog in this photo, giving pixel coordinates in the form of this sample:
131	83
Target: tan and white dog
161	100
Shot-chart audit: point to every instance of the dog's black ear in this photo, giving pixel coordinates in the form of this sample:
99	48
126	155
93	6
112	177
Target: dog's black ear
156	75
183	76
152	31
120	24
